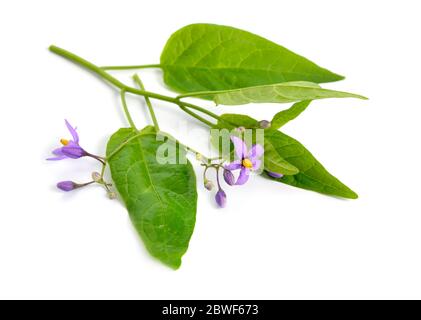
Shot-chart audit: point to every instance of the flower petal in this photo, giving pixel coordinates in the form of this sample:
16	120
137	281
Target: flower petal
59	155
235	165
240	147
243	177
57	158
274	174
256	164
72	132
74	152
256	151
58	152
72	144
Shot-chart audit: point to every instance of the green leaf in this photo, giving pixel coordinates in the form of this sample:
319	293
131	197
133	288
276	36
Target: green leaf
233	120
161	198
284	116
201	57
275	93
273	161
311	176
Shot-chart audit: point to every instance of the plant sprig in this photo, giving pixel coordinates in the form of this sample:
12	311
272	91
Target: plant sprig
229	66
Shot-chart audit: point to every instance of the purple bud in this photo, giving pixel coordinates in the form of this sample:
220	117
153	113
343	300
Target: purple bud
208	185
67	185
229	177
74	151
96	176
221	198
240	129
264	124
274	174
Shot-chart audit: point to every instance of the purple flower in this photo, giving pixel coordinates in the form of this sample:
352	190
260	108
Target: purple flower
67	185
247	160
71	148
221	198
274	174
229	177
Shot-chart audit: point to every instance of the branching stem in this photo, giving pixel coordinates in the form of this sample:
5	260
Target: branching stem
126	109
144	66
120	85
139	82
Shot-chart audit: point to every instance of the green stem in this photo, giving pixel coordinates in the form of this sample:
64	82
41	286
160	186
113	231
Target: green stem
106	76
103	170
139	82
144	66
200	109
195	115
88	65
126	109
204	173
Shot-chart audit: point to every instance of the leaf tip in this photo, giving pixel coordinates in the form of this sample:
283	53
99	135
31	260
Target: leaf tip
353	195
349	194
175	265
340	77
331	77
358	96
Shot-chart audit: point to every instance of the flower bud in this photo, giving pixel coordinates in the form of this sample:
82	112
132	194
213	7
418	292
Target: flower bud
221	198
208	184
264	124
240	129
111	195
67	185
96	177
274	174
229	177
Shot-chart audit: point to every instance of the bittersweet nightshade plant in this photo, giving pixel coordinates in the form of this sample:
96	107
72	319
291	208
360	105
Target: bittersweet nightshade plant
229	67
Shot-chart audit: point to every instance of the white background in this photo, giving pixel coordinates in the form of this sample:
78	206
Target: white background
272	241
